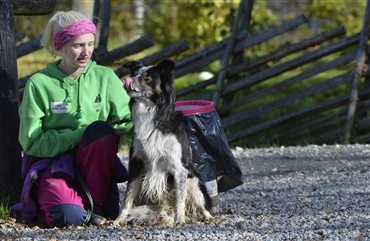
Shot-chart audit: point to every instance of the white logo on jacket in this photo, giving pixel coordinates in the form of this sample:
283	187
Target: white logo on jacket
59	107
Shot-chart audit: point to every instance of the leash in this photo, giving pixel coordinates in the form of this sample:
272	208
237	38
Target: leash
91	209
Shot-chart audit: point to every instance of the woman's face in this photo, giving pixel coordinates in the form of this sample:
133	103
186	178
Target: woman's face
76	53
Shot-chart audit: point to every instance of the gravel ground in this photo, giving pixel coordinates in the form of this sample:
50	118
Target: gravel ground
290	193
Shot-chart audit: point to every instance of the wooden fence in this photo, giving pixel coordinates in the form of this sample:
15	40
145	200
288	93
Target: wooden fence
279	98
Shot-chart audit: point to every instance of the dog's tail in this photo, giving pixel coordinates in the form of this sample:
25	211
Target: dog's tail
150	214
143	214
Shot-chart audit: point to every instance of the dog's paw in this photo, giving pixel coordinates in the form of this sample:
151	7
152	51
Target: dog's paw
180	219
122	218
167	221
121	221
118	223
207	215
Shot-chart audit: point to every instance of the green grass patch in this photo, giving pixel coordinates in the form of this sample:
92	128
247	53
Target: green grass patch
34	62
5	208
8	197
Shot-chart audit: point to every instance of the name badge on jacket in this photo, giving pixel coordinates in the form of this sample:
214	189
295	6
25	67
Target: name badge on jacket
59	107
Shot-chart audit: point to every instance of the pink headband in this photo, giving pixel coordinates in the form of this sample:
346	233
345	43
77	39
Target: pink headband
73	31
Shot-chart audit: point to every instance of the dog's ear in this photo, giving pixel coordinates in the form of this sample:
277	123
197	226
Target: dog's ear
166	66
165	69
133	66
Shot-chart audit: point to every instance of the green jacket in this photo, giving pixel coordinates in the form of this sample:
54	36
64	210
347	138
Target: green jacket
56	109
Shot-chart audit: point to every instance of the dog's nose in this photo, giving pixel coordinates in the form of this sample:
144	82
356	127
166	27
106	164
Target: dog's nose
127	83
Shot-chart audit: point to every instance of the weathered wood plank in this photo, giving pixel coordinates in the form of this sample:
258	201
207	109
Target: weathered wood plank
363	123
204	53
320	124
190	64
362	127
195	87
275	31
307	129
337	135
330	136
292	64
298	95
365	138
29	47
291	117
164	53
288	49
33	7
260	93
278	54
138	45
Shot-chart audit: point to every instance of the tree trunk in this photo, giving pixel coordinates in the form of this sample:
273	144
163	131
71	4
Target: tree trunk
10	151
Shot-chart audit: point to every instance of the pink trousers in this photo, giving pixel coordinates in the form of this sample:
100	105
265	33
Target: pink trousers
63	202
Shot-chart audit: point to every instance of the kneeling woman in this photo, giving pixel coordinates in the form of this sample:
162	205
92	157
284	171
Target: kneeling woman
71	118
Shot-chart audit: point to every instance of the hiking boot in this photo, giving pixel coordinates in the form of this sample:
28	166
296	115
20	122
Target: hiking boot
96	219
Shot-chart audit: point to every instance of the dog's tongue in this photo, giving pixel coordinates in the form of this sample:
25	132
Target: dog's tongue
128	84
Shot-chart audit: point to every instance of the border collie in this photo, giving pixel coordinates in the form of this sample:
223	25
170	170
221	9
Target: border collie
162	176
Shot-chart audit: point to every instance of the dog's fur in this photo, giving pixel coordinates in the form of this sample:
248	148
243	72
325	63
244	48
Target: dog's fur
161	172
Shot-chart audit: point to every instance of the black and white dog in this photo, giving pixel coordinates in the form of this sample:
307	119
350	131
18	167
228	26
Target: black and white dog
161	173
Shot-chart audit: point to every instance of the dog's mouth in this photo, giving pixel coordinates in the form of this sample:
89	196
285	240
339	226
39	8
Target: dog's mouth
128	84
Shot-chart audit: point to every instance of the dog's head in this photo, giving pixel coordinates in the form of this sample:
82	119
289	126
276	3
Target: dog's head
154	83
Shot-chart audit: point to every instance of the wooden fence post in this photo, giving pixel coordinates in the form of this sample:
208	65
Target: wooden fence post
360	60
238	57
228	53
33	7
10	151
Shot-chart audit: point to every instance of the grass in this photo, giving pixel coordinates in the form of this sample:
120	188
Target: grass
8	197
5	209
32	63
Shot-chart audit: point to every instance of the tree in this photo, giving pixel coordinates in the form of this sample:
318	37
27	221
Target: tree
331	14
200	22
10	152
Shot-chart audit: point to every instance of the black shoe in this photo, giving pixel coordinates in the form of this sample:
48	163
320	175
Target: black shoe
96	219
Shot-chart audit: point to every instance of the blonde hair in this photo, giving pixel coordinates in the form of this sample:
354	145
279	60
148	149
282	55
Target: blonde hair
56	23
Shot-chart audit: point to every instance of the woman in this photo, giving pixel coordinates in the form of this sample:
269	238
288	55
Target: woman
71	118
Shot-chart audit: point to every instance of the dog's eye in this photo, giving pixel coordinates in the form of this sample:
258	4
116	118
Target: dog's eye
146	76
